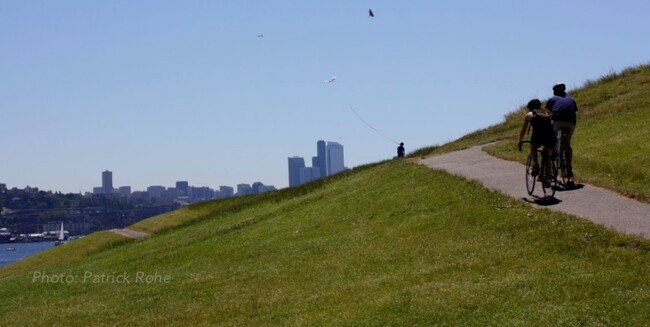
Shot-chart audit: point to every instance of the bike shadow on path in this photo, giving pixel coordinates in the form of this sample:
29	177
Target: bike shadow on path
570	188
542	201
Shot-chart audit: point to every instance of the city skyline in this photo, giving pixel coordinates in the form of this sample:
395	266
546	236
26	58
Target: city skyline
329	160
181	189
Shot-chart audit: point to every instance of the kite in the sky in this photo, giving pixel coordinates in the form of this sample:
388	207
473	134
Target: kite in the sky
331	79
370	13
260	35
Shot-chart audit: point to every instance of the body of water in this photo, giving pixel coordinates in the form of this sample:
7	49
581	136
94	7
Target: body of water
22	250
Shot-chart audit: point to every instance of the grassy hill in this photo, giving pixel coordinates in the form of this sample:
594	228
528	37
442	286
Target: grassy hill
392	243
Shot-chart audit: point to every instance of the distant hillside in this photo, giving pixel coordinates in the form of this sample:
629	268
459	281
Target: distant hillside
392	243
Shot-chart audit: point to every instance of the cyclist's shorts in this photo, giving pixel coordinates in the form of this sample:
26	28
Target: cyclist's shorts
570	127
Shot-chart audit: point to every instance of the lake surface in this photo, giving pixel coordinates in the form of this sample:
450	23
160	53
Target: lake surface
23	250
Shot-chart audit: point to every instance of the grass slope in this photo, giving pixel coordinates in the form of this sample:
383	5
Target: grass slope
389	244
386	244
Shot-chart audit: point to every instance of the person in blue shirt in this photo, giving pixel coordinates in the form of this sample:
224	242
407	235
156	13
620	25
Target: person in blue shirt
564	109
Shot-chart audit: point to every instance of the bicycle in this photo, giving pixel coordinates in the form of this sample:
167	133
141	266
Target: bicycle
560	157
548	181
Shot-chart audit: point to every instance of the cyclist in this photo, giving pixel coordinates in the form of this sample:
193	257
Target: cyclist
543	135
564	109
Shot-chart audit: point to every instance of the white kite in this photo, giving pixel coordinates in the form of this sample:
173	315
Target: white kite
331	79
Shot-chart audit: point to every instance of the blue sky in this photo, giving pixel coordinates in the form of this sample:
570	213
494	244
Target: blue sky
162	91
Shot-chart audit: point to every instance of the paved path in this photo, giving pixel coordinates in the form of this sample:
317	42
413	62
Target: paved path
130	233
593	203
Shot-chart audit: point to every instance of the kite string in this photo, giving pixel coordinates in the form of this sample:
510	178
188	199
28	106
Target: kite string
370	126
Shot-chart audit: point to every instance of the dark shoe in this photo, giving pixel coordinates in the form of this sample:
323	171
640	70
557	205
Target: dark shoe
535	171
570	184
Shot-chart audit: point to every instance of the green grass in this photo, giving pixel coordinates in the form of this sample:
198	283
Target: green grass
392	243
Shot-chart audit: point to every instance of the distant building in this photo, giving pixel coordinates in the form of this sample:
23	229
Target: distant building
226	191
321	158
183	188
98	190
3	188
124	190
107	181
308	174
335	161
156	191
244	189
201	193
295	163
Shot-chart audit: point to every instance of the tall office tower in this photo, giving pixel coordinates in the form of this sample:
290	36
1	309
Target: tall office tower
295	163
335	161
321	154
107	182
183	188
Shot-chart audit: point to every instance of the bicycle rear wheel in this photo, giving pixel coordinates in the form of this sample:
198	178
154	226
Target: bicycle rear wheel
530	179
561	166
549	183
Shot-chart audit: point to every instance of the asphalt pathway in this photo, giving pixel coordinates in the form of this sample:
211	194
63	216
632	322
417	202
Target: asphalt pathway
599	205
130	233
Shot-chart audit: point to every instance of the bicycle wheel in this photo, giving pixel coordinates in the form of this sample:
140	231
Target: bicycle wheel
549	182
563	174
530	179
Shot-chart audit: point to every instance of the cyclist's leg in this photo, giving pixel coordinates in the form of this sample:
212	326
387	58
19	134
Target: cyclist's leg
533	153
548	158
566	143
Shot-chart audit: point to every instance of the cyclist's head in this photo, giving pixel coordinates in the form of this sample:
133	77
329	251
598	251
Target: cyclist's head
534	104
559	88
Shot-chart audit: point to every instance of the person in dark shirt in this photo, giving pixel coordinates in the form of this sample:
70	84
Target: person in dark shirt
543	134
564	109
400	150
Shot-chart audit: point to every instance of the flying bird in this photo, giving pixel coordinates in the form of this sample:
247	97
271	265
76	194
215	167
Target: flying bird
370	13
260	35
331	79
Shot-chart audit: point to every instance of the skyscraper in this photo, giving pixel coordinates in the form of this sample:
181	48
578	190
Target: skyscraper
321	155
107	182
295	163
335	162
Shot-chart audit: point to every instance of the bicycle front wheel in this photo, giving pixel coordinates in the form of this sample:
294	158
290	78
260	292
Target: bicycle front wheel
530	179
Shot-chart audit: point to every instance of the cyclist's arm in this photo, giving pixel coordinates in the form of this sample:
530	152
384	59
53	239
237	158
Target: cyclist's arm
524	127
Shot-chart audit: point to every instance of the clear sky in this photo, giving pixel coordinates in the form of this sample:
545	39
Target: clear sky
162	91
